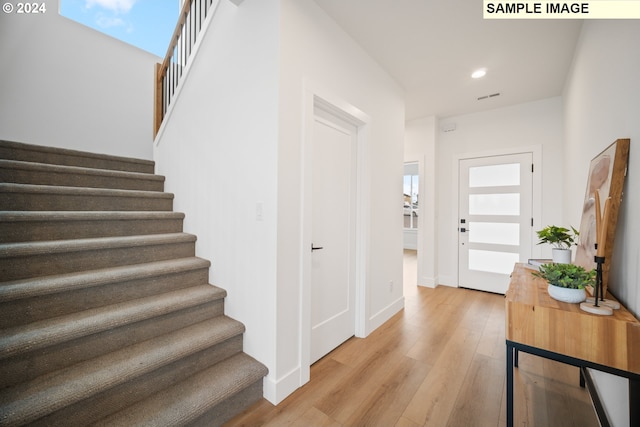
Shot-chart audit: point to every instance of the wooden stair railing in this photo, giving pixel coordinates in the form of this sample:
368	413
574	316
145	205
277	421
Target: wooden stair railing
168	74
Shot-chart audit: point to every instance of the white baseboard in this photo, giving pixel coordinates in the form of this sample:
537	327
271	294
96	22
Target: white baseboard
448	281
376	320
276	391
428	282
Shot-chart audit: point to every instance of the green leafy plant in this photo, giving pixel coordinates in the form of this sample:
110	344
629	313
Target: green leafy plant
559	237
567	275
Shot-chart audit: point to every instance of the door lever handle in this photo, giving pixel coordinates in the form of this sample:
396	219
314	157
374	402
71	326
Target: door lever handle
315	248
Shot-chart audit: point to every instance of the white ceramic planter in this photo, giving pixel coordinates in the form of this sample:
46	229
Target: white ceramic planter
561	256
566	294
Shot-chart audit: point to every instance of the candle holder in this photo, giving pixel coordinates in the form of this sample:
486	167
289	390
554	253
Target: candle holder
599	299
596	305
599	261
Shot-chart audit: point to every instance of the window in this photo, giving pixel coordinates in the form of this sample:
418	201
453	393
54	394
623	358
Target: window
147	24
410	211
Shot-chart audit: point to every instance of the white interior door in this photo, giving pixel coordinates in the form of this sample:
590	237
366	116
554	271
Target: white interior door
495	224
333	233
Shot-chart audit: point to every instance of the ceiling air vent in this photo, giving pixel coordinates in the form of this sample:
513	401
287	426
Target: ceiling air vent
493	95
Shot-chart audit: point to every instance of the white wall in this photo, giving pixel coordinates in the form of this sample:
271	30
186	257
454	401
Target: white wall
317	53
537	123
218	151
420	146
66	85
602	104
235	135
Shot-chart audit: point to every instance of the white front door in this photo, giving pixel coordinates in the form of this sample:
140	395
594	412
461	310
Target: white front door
495	224
333	233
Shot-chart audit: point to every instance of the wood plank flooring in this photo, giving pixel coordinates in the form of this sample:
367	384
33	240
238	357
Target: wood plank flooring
439	362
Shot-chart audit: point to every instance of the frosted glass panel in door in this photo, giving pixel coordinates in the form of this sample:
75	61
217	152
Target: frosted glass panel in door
496	233
494	204
494	175
492	262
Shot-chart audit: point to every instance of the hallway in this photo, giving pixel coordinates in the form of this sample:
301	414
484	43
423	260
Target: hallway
439	362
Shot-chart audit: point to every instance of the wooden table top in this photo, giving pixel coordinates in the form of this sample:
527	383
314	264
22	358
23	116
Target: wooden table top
534	318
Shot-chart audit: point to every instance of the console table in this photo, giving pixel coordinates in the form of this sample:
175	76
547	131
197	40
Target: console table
540	325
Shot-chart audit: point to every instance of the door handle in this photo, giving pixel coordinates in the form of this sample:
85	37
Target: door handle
315	248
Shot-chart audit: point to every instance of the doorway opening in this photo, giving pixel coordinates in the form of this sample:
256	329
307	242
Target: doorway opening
410	219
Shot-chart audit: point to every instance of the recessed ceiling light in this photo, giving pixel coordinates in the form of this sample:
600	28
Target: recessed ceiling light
479	73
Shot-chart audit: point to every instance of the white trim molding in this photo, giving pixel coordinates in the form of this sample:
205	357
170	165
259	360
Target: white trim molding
315	96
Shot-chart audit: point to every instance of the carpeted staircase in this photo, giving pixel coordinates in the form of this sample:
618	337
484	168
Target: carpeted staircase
106	314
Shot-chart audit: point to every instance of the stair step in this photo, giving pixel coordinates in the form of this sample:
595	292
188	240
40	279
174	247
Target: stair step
45	333
24	367
220	414
32	350
34	259
91	410
60	156
28	226
43	286
188	401
29	197
27	402
29	300
73	176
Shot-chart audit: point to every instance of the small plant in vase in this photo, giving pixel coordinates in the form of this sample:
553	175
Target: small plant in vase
567	282
561	239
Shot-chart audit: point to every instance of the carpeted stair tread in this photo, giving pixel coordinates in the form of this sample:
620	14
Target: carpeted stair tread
21	249
25	226
38	298
48	248
96	216
34	399
75	176
46	285
186	401
32	259
59	329
35	216
8	187
19	197
62	156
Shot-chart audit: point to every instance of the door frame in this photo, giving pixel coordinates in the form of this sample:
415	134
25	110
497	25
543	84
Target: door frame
536	193
317	97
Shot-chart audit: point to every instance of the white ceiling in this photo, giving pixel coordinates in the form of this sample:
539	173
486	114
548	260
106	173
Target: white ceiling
431	47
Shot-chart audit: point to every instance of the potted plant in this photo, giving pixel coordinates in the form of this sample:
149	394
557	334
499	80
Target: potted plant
561	239
567	282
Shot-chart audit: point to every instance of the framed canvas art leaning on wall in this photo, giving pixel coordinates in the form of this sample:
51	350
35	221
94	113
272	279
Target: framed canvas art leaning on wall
607	173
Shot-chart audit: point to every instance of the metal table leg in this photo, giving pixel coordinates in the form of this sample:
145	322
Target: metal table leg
510	351
634	402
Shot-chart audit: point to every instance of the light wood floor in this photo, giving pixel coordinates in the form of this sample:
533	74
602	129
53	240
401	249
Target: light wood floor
439	362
